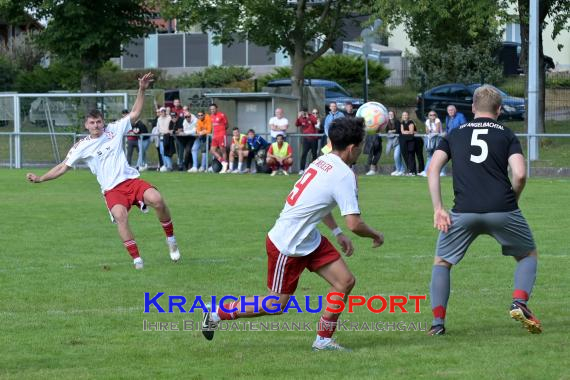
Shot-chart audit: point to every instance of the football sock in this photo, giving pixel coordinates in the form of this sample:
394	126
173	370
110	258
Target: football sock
168	228
224	316
439	293
240	165
525	275
131	246
327	326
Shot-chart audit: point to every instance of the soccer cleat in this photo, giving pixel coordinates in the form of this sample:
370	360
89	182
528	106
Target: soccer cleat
331	345
436	330
174	252
394	173
423	174
224	168
285	172
201	170
208	325
301	172
193	170
163	169
138	263
370	172
274	173
520	312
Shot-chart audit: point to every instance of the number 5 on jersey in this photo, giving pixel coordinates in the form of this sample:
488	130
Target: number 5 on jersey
475	141
300	186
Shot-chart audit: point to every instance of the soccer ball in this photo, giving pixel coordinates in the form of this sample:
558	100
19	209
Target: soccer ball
375	115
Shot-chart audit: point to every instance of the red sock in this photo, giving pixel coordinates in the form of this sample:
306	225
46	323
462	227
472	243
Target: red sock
131	246
327	326
224	316
286	167
168	228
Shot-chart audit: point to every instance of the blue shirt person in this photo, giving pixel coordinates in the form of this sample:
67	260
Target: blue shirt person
453	119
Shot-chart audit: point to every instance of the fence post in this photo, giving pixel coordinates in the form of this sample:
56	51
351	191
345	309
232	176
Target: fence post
17	129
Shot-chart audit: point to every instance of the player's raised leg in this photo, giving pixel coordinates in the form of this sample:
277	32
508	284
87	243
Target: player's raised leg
121	216
342	281
153	198
525	276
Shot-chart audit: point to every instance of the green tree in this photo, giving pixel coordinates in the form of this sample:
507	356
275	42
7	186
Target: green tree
274	24
445	33
556	12
84	33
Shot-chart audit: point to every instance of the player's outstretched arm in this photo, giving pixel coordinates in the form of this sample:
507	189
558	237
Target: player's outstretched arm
355	223
518	170
53	173
441	219
144	82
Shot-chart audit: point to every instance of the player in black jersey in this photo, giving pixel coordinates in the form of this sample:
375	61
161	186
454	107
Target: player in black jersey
486	202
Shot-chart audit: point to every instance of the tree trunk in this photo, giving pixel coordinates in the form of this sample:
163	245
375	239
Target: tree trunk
298	76
88	85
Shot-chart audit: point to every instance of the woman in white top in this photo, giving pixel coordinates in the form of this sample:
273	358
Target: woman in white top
433	132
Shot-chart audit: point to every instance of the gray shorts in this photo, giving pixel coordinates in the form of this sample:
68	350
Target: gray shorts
510	229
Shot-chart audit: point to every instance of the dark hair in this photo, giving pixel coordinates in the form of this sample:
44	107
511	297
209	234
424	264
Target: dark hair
252	131
304	109
235	129
94	114
346	131
214	104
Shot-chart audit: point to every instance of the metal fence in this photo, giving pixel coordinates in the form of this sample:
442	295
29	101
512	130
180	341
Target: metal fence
36	149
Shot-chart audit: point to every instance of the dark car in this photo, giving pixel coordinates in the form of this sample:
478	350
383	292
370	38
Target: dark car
461	95
333	91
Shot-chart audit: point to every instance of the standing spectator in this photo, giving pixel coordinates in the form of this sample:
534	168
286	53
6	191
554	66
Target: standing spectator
256	146
408	142
419	152
177	107
155	139
394	132
433	131
219	125
176	126
132	140
203	129
163	124
185	138
280	155
349	109
453	119
373	148
143	143
278	125
238	148
307	123
333	114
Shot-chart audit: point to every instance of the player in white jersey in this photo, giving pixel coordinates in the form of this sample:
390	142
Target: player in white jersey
294	243
103	152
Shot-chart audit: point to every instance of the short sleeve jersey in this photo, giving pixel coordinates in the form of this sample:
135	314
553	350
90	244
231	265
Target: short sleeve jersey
105	156
480	152
219	123
327	182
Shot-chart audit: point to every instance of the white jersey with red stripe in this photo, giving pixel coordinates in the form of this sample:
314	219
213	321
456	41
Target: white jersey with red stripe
327	182
105	155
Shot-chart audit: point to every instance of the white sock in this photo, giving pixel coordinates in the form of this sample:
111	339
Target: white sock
171	239
240	165
215	317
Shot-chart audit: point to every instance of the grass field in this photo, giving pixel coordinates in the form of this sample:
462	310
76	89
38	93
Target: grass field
72	306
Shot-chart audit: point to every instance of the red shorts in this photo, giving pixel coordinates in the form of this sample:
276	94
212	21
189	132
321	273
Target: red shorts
283	272
219	142
127	193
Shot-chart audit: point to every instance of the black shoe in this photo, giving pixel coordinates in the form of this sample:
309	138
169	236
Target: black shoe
208	325
520	312
436	330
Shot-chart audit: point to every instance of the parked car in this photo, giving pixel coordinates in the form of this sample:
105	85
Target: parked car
333	91
461	95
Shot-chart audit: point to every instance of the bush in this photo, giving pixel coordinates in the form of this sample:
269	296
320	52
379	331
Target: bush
434	65
346	70
8	75
214	76
558	80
